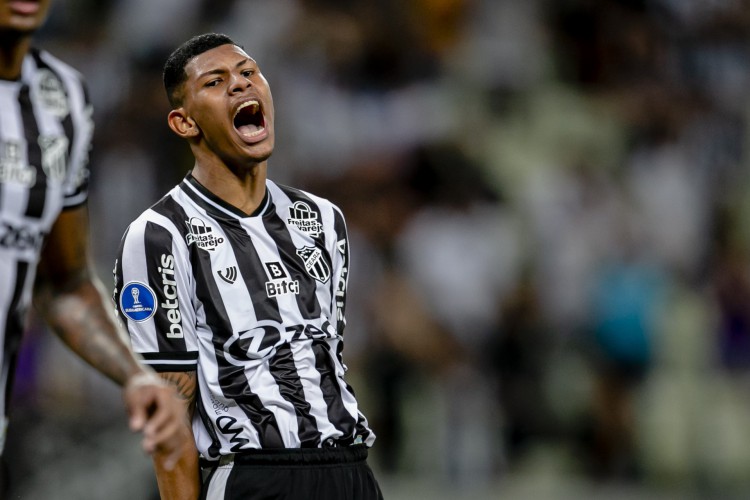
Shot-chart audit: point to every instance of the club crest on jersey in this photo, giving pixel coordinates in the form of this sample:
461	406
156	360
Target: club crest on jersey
137	301
54	150
13	166
315	264
304	219
51	94
279	283
202	235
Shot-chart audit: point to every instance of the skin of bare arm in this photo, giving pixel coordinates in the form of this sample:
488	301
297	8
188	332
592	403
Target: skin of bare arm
70	298
182	482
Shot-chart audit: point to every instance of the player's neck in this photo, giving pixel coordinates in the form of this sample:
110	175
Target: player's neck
243	188
12	52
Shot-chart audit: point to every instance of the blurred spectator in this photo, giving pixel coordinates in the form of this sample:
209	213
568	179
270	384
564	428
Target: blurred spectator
627	301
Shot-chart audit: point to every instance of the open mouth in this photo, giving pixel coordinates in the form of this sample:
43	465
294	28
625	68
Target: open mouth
249	120
24	7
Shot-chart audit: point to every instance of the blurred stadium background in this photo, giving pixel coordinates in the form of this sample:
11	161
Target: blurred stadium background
549	212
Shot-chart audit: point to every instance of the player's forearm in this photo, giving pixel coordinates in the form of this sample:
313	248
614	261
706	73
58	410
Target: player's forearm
182	482
80	317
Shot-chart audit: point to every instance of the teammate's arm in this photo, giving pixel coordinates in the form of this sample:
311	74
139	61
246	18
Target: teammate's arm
70	298
183	481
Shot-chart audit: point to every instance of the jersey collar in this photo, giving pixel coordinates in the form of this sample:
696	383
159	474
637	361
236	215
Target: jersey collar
215	205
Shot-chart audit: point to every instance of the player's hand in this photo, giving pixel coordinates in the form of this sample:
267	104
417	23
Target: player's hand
156	411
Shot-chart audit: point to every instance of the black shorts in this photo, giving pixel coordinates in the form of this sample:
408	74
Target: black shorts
305	473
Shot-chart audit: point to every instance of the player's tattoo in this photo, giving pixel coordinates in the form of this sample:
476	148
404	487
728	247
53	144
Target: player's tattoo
185	383
79	318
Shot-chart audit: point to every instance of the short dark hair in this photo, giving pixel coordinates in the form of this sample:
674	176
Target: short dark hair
174	68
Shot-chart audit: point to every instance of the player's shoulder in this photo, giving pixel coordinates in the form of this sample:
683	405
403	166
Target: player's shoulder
162	215
294	195
47	60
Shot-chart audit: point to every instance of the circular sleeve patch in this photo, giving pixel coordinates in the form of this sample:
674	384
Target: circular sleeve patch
137	301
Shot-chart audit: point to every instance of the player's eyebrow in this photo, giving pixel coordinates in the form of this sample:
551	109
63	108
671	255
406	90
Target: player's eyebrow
220	71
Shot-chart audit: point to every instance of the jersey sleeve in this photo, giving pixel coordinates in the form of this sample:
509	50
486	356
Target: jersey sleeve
153	299
78	122
340	261
76	186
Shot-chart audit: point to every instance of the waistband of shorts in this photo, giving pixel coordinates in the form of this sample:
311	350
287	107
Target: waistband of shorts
292	456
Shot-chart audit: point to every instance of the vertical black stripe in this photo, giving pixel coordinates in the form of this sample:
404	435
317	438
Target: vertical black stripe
38	192
117	275
251	269
337	413
161	270
232	378
338	289
14	323
307	298
67	122
287	378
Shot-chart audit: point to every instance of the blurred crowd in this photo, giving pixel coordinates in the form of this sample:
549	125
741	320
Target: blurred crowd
548	207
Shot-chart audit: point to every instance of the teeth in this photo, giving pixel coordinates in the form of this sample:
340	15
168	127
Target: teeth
254	105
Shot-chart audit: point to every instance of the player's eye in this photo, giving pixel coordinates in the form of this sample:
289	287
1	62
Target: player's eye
213	83
247	73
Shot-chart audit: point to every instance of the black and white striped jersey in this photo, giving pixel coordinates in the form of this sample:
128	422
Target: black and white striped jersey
255	304
45	136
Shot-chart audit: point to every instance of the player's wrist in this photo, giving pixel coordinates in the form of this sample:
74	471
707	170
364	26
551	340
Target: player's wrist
141	377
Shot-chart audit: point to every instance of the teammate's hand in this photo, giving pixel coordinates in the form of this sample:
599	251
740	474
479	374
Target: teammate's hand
156	411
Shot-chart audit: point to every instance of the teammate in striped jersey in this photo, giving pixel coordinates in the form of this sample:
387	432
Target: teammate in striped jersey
45	135
234	287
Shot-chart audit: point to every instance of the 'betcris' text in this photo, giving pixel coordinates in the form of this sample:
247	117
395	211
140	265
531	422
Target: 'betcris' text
171	304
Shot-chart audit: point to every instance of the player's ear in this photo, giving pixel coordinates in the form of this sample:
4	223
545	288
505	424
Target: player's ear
181	124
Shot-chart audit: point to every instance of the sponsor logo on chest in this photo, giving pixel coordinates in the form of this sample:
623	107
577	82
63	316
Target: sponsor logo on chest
304	219
13	166
20	237
15	169
202	235
51	94
279	283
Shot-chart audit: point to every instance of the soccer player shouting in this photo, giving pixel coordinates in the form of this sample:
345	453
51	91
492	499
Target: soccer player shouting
234	288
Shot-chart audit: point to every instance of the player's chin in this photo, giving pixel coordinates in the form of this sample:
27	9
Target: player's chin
19	28
260	151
